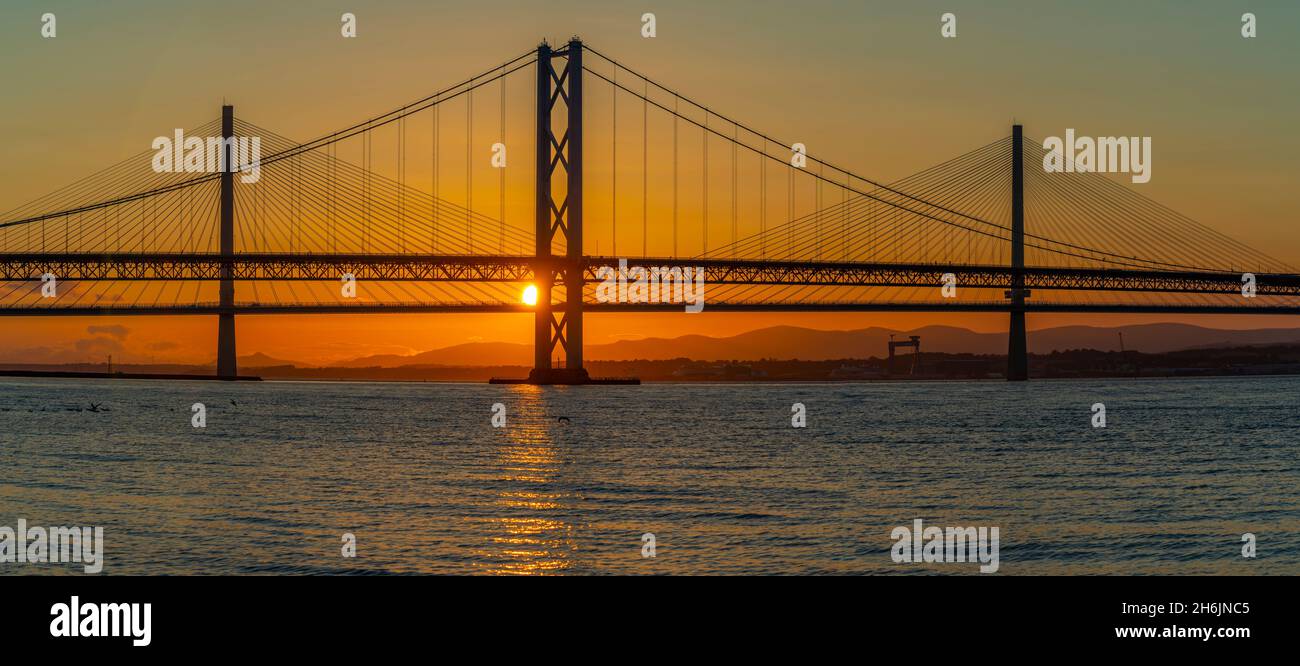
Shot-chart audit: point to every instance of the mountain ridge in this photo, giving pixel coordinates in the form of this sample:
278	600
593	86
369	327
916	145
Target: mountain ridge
794	342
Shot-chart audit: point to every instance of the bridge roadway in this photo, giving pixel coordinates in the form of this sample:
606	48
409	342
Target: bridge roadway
494	268
521	269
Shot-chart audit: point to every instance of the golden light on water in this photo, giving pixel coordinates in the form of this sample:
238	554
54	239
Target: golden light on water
528	537
530	295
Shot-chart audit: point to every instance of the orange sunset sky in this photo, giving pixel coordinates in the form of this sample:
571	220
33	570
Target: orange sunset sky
869	85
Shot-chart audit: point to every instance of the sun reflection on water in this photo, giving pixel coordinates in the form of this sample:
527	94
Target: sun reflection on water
528	537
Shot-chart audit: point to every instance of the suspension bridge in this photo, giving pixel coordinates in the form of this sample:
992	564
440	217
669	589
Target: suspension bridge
414	207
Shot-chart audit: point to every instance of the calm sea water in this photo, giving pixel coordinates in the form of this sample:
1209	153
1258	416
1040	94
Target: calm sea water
418	474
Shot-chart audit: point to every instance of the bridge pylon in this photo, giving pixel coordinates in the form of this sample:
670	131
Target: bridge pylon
226	364
1017	347
559	213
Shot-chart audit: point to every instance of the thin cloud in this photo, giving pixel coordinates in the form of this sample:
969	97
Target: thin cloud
115	331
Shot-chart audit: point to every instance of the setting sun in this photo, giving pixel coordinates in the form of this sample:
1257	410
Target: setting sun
530	295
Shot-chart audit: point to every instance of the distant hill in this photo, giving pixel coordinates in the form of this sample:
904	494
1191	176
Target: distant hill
793	342
260	360
468	354
1155	338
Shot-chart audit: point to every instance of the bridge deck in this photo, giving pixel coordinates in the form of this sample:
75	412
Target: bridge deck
491	268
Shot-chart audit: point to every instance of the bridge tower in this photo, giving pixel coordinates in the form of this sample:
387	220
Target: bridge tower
226	366
1017	349
559	212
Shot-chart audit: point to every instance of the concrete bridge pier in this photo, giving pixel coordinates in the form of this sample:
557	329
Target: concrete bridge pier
1017	348
226	365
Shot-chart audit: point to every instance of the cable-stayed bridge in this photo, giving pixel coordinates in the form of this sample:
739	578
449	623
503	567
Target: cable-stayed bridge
560	166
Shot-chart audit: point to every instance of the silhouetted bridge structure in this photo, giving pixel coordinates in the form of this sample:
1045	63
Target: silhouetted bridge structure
1009	236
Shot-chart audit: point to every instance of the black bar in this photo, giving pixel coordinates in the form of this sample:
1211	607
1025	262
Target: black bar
926	616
